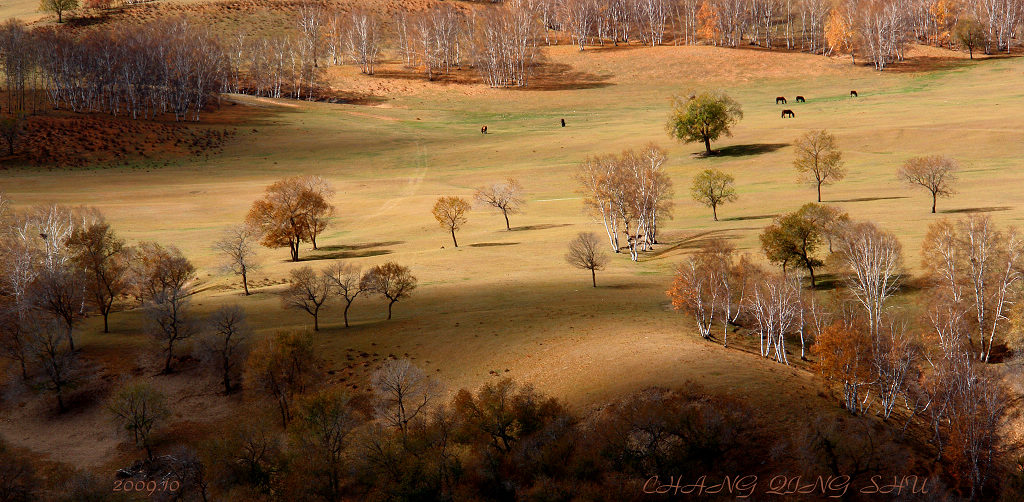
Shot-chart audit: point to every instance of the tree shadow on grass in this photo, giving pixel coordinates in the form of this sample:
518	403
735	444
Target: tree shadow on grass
742	150
343	251
539	227
492	244
341	255
755	217
867	199
989	209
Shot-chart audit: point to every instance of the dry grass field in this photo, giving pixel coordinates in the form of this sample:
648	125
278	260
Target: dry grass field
505	303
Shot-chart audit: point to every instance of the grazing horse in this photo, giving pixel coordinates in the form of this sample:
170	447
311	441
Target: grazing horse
563	122
789	113
483	130
780	99
853	94
800	99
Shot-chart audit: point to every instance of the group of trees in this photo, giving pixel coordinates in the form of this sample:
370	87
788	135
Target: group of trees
863	344
629	193
505	196
61	264
308	290
166	66
292	210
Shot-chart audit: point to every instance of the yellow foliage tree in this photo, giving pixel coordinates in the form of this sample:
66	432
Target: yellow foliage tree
708	19
839	33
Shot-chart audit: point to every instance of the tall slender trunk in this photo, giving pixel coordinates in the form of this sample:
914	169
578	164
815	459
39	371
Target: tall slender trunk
707	144
933	202
593	277
507	225
453	238
392	302
714	211
245	283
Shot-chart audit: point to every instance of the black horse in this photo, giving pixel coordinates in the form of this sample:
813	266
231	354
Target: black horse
800	99
853	94
563	122
780	99
788	113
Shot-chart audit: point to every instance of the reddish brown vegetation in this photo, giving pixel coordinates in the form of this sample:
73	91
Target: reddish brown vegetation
85	141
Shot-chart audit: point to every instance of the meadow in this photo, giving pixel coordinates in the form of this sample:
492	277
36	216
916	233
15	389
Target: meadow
505	303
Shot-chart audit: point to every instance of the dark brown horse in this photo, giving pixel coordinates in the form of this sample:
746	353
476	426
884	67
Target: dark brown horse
483	130
853	94
800	99
780	99
788	113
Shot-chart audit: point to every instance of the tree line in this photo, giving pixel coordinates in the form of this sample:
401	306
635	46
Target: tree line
930	371
404	440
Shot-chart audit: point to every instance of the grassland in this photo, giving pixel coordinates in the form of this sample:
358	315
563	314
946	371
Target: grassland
505	303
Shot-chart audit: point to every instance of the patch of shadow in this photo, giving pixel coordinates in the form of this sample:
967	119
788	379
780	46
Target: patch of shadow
341	255
989	209
694	241
85	21
743	150
563	77
745	218
357	247
868	199
617	286
544	226
492	244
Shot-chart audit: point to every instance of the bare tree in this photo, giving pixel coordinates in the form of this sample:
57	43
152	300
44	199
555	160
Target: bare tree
976	267
284	366
363	39
874	260
346	279
311	24
55	356
390	280
238	247
164	281
584	254
104	259
506	197
226	344
307	290
404	393
61	294
935	173
450	213
137	408
818	159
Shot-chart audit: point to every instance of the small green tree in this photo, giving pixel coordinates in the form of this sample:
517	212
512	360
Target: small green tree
970	34
137	408
795	238
58	7
713	188
818	159
703	118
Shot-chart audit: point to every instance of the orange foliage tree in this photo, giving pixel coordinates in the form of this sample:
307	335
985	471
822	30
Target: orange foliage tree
708	20
844	357
292	210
